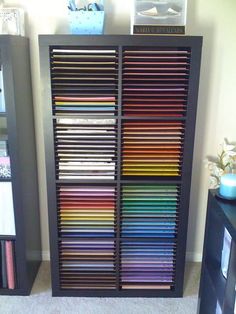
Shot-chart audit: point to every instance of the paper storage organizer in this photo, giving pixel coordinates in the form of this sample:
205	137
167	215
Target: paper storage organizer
119	114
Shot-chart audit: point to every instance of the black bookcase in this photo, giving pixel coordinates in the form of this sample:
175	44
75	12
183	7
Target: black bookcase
214	287
119	120
18	144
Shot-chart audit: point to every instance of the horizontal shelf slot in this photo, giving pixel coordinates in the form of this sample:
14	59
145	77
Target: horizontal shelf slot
130	239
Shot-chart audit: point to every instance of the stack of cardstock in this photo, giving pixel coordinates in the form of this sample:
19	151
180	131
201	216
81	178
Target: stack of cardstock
149	211
84	82
87	264
155	82
7	265
86	211
152	148
147	265
85	105
86	150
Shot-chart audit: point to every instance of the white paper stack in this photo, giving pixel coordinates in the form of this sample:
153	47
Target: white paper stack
7	220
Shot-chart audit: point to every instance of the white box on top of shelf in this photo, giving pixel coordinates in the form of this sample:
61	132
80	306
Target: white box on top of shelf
7	220
12	21
159	17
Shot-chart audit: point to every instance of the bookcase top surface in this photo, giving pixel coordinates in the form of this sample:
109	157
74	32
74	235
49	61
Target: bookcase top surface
45	40
12	38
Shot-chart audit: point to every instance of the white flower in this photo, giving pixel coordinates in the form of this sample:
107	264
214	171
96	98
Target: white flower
227	147
218	172
231	153
214	183
212	165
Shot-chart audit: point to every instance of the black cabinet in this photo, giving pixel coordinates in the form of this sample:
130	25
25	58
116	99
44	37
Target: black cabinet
119	119
19	207
219	249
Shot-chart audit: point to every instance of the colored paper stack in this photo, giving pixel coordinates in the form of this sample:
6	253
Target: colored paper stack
147	265
149	210
86	211
84	81
87	264
152	148
155	82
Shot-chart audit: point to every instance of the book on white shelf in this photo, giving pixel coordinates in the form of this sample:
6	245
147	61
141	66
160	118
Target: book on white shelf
3	148
7	219
2	98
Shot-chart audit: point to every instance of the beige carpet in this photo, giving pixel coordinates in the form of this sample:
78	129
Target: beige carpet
41	302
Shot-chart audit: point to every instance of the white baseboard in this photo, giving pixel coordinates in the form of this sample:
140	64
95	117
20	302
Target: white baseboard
190	256
193	257
45	255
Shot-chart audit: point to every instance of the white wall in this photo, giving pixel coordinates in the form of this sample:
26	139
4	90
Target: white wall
213	19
